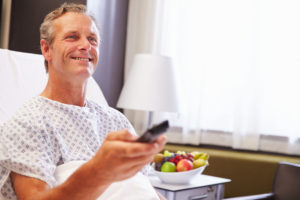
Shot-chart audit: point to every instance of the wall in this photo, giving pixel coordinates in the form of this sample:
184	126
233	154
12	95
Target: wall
21	33
25	23
112	17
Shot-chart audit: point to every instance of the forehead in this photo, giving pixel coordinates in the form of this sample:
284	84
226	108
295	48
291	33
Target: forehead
74	22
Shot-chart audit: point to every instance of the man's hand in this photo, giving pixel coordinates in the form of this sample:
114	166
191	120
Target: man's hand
120	157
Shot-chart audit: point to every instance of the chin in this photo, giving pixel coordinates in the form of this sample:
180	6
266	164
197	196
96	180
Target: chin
85	73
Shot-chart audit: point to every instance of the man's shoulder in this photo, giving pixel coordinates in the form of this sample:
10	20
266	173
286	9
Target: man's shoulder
33	106
29	111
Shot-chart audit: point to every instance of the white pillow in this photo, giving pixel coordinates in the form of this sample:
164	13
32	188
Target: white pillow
135	188
22	76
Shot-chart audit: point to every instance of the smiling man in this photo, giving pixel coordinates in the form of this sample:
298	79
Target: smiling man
72	56
60	125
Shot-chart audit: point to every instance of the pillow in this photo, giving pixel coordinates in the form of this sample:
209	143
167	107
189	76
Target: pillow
22	76
135	188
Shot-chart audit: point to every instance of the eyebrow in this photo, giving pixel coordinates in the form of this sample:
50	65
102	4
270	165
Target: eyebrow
75	32
70	32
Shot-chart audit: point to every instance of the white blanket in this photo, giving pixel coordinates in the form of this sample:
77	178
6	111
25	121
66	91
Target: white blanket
135	188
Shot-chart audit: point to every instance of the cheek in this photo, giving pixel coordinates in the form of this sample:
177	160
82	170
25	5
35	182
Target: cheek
95	53
69	50
96	49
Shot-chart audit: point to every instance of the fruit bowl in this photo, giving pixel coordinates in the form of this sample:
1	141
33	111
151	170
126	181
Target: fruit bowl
178	177
180	167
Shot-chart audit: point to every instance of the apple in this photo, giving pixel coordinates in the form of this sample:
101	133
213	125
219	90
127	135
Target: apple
168	167
184	165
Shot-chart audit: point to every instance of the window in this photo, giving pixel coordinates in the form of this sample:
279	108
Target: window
238	67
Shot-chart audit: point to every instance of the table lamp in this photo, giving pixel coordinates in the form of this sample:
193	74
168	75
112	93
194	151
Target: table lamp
150	85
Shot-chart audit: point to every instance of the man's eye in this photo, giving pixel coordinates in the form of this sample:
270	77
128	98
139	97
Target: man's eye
71	37
93	40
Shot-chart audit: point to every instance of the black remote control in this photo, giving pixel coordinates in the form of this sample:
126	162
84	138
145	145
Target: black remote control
153	133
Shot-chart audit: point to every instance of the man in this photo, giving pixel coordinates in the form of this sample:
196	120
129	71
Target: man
60	125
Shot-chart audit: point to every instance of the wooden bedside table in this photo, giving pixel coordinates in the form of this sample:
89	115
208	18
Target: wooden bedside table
202	187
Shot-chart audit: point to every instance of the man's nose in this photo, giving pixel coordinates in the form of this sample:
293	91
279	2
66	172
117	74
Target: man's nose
84	44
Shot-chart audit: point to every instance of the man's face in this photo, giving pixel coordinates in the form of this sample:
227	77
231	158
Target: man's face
74	51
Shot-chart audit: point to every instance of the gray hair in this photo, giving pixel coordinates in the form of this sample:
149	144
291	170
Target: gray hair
46	28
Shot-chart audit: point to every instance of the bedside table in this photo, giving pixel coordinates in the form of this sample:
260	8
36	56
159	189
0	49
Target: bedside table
202	187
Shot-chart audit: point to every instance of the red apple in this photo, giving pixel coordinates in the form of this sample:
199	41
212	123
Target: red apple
184	165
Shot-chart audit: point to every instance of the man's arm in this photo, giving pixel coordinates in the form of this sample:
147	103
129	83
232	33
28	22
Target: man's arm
74	188
78	186
117	159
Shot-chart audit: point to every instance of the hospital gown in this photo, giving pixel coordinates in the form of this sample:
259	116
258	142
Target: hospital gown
44	133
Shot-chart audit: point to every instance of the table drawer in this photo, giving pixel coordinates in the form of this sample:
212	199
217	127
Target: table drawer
204	193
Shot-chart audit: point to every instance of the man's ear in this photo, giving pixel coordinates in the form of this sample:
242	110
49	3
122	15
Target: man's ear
45	48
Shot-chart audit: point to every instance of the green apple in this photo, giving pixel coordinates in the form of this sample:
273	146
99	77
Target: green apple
168	167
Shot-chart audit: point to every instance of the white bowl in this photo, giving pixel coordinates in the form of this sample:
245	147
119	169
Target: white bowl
179	177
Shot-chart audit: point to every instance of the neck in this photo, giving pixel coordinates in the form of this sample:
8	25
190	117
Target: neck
65	92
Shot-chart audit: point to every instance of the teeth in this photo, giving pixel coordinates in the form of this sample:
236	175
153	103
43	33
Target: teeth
84	59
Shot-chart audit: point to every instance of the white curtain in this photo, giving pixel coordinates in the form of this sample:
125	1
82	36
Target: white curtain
147	32
237	63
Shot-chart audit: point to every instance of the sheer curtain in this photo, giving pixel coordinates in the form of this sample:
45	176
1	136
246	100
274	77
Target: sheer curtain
237	64
148	32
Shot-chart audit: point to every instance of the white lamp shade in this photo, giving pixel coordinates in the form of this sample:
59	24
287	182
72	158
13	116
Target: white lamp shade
150	85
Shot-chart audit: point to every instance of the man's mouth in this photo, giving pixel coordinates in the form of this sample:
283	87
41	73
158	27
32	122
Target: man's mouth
83	59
